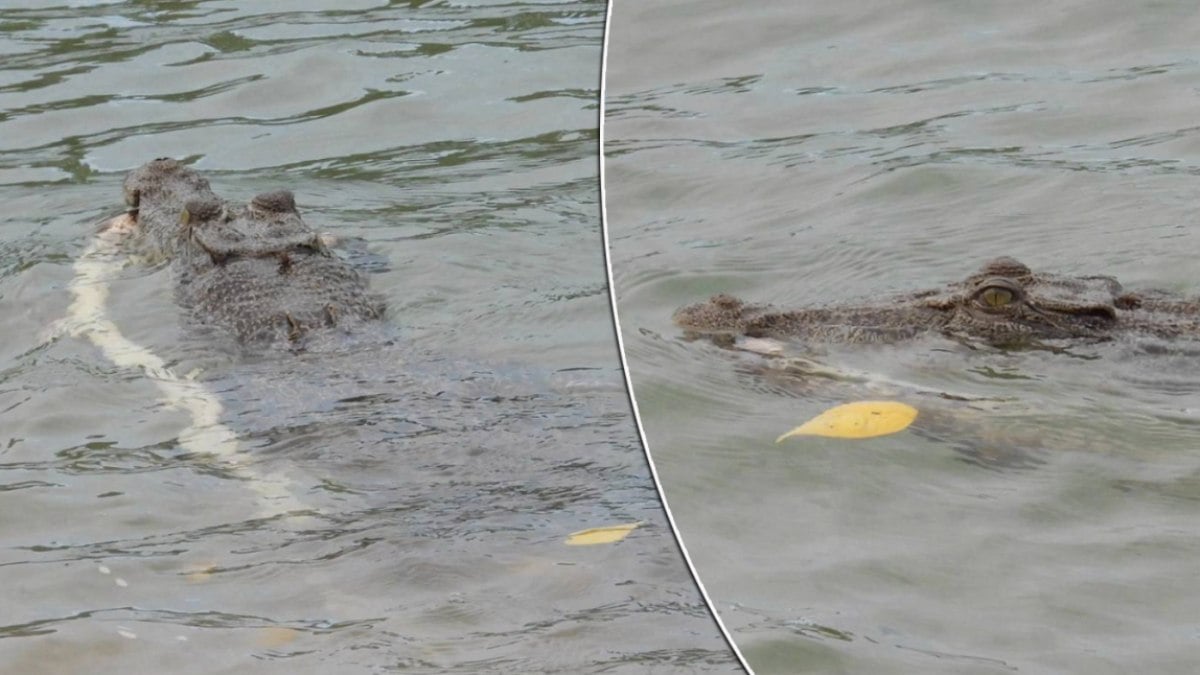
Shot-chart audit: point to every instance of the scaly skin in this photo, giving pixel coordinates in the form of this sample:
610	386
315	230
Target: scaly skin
1004	304
256	271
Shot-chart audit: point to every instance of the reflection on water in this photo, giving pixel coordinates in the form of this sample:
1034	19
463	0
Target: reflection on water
831	153
430	482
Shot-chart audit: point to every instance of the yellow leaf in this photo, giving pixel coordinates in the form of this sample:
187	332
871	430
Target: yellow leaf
601	535
861	419
276	636
200	573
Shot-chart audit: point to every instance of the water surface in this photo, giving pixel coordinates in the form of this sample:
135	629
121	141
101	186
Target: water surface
813	154
432	481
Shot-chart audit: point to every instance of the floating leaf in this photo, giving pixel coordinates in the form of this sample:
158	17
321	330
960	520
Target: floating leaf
200	573
276	636
601	535
861	419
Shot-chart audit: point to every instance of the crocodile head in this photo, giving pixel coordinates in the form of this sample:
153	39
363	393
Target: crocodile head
177	213
256	270
1004	304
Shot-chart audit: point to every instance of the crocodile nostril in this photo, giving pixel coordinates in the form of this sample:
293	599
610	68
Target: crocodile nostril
278	201
1106	312
1128	301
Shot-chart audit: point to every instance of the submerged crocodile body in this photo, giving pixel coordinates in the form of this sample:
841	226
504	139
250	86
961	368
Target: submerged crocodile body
256	271
258	274
1003	304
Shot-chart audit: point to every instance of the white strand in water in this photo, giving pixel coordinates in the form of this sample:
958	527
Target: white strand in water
205	435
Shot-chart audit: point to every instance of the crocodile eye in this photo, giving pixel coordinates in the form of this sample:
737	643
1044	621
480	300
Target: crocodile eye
196	211
995	296
997	292
279	201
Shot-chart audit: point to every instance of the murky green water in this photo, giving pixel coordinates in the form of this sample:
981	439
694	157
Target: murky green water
815	154
434	479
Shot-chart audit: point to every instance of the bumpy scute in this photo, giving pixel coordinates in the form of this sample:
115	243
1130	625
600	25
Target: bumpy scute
279	201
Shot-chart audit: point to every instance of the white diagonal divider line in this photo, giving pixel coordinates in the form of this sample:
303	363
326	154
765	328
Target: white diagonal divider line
612	298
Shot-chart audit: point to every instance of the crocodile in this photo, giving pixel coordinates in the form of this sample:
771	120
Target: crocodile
389	454
256	271
1004	304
